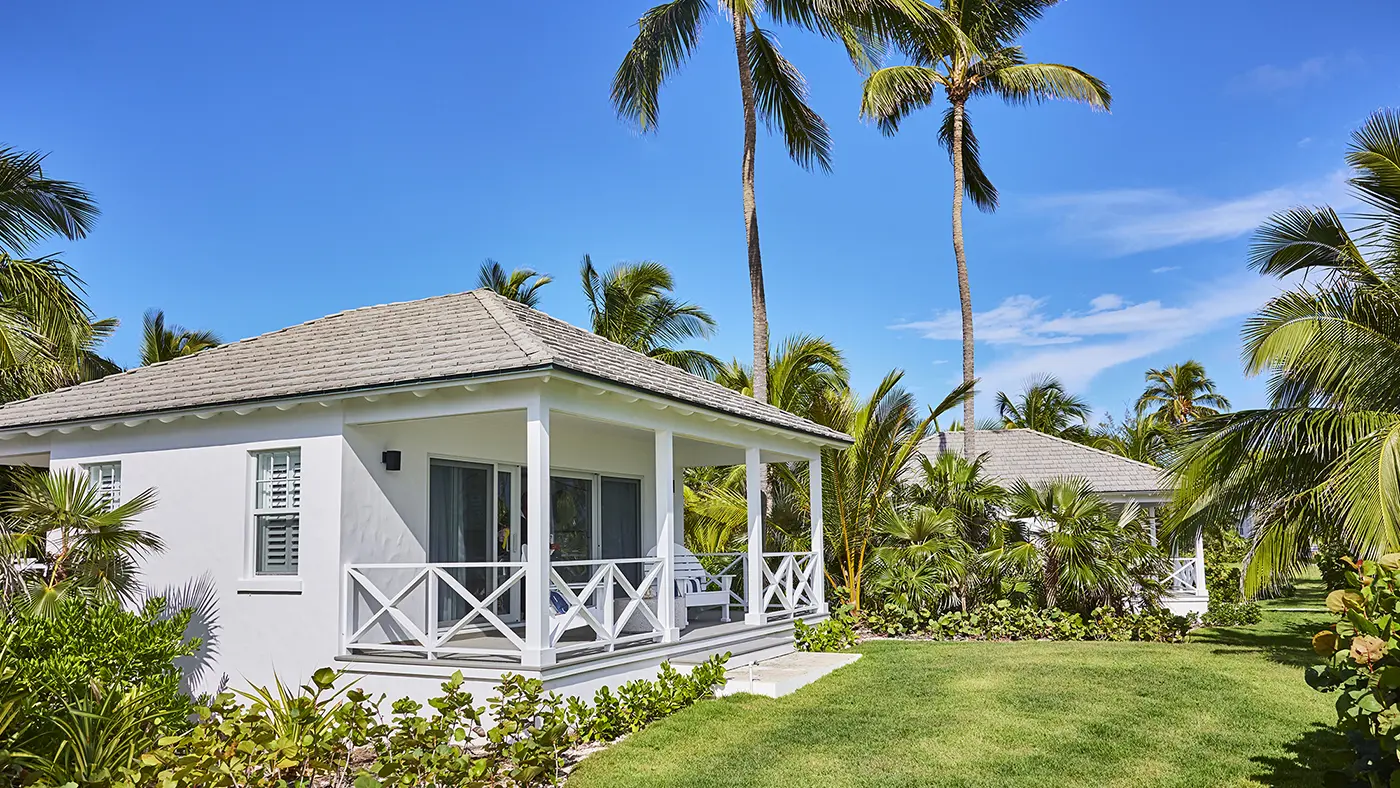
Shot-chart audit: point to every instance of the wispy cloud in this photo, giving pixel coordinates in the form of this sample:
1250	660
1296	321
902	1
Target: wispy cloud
1127	221
1076	346
1162	269
1271	78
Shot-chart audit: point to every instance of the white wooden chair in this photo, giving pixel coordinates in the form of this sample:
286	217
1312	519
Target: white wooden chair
697	586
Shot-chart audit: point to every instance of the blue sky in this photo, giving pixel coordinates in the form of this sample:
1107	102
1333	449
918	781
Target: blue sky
261	164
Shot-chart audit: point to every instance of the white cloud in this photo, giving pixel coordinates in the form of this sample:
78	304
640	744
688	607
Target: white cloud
1269	78
1162	269
1127	221
1305	142
1078	345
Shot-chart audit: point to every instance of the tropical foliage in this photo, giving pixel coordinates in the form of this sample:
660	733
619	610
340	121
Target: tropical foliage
962	51
1180	393
632	304
1047	407
521	284
35	206
162	342
1318	464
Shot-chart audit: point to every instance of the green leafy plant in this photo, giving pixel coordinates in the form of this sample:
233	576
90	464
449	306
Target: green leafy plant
833	634
1232	614
1005	621
1361	664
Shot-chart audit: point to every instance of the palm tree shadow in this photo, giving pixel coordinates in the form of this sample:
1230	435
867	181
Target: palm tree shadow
1310	757
1289	645
201	597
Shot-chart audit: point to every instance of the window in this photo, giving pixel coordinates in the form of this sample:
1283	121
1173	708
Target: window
277	511
106	478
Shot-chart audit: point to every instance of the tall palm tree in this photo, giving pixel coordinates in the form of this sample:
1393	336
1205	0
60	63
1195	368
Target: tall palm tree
769	85
1088	553
161	342
631	304
1319	463
1181	393
1047	407
981	59
34	206
803	369
516	285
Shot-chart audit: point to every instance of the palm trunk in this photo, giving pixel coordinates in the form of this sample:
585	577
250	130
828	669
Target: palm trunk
964	290
760	301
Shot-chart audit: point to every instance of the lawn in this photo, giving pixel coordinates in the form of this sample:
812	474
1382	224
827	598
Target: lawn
1228	709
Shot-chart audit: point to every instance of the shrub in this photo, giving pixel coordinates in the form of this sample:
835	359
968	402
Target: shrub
639	703
1225	552
1232	614
1333	564
833	634
1004	621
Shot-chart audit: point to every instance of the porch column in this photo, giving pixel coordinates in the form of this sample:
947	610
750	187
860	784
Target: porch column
753	576
666	536
1200	565
814	476
539	652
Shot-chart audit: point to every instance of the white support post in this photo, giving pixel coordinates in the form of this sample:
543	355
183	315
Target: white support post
1200	565
539	651
814	474
666	536
753	579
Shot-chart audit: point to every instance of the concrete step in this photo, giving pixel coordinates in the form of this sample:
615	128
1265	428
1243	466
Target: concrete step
785	674
744	652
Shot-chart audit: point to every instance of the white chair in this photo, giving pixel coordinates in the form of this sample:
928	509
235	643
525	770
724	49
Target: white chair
697	586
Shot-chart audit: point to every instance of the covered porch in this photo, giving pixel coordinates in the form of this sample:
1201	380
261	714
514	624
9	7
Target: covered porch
444	562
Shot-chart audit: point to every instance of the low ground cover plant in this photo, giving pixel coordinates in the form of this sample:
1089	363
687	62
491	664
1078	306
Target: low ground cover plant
1005	621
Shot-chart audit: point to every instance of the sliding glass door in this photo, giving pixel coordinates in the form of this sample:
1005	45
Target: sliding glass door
461	528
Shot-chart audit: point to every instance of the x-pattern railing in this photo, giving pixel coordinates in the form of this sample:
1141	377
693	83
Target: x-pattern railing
1183	577
789	583
399	631
730	565
593	603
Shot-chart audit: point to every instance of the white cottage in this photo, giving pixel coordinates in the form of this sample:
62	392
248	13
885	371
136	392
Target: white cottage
1035	457
363	491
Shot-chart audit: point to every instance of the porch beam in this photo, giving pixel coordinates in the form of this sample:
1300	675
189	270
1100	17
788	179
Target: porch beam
666	527
753	576
538	651
814	473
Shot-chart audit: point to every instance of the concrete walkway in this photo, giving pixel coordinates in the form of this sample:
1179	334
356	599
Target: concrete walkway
782	675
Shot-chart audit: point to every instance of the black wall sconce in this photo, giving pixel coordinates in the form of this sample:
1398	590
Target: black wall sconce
392	460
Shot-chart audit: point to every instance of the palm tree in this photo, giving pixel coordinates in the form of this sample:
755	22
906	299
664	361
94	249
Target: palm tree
1141	438
1047	407
1087	553
34	206
71	541
160	342
1319	463
981	59
923	558
1181	393
631	304
48	337
953	482
768	84
515	285
803	369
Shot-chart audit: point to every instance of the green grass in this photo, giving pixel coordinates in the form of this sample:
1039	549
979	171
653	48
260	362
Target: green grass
1228	709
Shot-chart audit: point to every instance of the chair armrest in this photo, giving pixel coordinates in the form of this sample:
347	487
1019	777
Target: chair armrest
724	581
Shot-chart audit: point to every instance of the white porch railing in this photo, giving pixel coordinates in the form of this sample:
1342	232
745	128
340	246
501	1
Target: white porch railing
614	610
732	565
790	584
427	609
1182	579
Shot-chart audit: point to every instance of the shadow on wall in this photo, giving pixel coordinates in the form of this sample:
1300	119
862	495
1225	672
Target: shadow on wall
200	596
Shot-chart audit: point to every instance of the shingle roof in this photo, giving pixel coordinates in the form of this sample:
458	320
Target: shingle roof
432	339
1035	457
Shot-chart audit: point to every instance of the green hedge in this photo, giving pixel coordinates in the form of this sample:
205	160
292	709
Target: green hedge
1003	621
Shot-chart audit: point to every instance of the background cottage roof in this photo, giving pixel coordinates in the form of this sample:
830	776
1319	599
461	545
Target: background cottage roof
1013	455
443	338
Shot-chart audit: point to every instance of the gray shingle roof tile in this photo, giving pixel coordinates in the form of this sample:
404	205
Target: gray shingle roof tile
439	338
1013	455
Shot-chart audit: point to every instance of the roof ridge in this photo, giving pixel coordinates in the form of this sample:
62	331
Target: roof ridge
519	333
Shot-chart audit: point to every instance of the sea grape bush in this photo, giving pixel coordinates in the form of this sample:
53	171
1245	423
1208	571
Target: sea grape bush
1361	664
833	634
1004	621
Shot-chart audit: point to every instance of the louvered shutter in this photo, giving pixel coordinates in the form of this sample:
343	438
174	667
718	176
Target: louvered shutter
277	505
106	478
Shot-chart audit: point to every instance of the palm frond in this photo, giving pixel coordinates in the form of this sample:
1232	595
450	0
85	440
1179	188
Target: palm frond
666	35
780	93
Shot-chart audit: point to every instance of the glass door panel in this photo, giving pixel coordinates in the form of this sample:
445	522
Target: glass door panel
572	502
621	515
460	529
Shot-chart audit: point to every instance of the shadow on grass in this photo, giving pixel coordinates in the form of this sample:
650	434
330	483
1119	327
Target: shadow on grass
1310	756
1285	644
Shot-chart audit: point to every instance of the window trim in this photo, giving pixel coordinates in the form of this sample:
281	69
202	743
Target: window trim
252	581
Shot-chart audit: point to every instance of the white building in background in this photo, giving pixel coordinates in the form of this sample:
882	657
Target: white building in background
1036	458
362	492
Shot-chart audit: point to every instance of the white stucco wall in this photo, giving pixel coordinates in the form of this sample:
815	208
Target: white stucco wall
202	473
